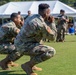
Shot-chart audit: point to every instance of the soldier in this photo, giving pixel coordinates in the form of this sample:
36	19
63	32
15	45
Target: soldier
28	40
8	32
62	26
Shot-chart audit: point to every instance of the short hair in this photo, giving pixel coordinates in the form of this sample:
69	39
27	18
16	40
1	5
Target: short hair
43	6
29	11
62	10
13	15
19	12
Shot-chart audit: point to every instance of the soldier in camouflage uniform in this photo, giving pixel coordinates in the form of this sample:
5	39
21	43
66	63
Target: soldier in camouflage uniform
62	26
28	40
8	32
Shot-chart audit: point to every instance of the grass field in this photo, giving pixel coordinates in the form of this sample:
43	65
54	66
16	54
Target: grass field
63	63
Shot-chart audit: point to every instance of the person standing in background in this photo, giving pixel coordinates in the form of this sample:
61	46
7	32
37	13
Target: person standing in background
61	26
29	14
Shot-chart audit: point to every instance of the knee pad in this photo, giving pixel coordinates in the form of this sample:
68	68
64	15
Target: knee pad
50	52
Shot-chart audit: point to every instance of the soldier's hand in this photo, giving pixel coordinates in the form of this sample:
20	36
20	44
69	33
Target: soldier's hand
17	31
51	19
63	18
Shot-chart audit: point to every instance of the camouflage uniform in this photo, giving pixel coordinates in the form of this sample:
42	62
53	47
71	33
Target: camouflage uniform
61	28
7	35
27	41
52	26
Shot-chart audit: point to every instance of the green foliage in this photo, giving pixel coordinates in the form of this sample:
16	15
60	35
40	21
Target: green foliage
2	2
70	2
6	1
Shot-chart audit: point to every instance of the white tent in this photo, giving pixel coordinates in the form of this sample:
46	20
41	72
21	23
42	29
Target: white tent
55	6
7	9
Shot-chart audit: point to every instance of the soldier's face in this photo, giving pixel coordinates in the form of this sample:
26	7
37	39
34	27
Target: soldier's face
62	13
18	20
47	11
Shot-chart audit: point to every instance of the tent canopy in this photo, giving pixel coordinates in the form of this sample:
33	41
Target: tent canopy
7	9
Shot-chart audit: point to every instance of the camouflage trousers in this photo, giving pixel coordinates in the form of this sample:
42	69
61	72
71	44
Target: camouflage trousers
36	51
6	48
61	33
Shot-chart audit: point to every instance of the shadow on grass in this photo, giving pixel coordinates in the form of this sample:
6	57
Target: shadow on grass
7	73
67	41
71	41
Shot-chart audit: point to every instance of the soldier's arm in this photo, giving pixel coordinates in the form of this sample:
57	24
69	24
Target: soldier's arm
51	23
49	33
66	18
13	29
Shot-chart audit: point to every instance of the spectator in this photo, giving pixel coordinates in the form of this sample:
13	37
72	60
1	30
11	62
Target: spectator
71	30
62	26
29	14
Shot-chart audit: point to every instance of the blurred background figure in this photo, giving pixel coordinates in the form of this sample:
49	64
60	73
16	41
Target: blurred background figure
19	12
61	26
29	14
71	28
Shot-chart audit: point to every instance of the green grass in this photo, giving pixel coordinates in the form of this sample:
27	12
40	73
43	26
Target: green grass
63	63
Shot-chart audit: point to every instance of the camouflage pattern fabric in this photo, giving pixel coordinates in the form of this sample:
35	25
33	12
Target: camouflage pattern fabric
7	35
27	41
52	26
6	48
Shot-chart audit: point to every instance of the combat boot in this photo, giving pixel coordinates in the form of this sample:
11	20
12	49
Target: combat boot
12	64
27	67
33	74
36	68
4	64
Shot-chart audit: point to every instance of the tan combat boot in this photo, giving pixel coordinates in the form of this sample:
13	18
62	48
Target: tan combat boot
12	64
27	67
33	74
4	64
36	68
